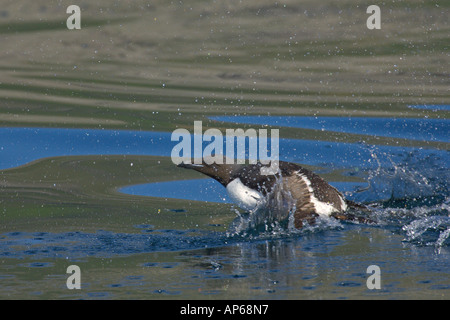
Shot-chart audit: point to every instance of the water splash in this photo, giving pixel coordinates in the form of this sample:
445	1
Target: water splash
245	228
414	175
275	218
409	196
429	231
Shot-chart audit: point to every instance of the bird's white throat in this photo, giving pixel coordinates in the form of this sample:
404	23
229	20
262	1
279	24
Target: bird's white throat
245	197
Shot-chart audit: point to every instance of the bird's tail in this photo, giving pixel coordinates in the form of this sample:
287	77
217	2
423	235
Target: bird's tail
355	212
354	206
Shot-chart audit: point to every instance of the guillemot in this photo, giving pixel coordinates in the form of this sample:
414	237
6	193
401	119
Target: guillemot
293	189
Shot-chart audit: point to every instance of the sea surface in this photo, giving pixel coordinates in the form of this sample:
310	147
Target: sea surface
87	179
405	187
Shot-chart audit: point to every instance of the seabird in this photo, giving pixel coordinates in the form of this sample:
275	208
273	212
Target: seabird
292	189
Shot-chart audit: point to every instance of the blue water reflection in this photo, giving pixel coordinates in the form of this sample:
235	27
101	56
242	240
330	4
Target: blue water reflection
19	146
433	107
407	128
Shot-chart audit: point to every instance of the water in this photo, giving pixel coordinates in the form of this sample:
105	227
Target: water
206	189
434	107
173	264
23	145
406	189
406	128
85	173
42	142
